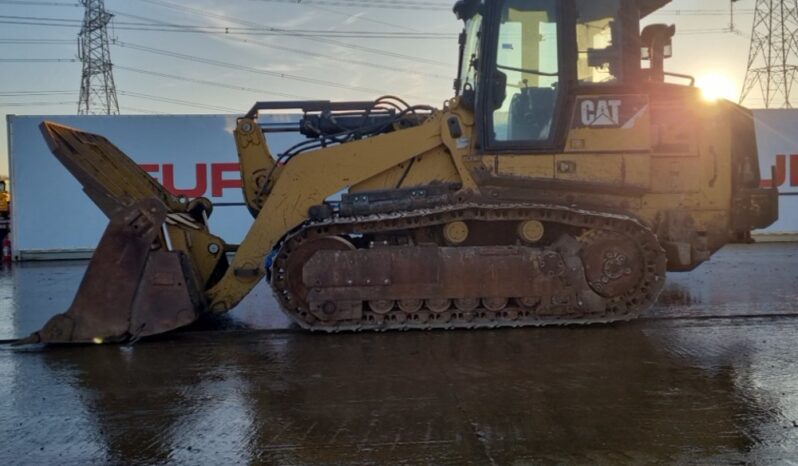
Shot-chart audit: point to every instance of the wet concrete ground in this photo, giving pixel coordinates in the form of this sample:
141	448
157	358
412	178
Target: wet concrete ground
709	377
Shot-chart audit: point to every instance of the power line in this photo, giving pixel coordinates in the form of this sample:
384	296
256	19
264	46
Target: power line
360	17
249	69
301	33
313	54
38	60
318	36
36	41
33	104
34	93
40	93
207	61
444	4
162	26
146	111
137	95
700	12
383	53
404	5
695	32
261	31
35	23
259	28
45	19
170	100
208	83
38	3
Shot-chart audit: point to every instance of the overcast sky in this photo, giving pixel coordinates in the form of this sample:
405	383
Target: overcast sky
318	67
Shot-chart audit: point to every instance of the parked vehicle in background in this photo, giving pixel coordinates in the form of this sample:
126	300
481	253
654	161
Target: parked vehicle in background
5	209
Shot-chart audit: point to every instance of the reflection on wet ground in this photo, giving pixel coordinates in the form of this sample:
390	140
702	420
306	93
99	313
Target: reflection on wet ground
654	391
748	280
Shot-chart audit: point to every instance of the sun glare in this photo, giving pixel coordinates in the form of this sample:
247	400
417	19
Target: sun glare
716	86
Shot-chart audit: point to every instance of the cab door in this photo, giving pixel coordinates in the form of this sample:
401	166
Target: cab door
525	96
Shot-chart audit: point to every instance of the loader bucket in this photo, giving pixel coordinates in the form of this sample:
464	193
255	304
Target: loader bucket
130	289
135	285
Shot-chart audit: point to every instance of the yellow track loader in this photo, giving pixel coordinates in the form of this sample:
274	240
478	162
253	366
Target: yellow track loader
557	187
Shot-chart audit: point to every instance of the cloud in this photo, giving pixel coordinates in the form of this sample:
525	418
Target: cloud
354	18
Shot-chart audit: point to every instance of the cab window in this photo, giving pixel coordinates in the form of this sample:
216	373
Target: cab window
469	68
598	37
526	79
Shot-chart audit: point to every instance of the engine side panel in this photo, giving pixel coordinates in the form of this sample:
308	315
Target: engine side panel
684	165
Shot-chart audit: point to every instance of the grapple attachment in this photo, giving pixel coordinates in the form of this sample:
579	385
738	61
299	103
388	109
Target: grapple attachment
149	271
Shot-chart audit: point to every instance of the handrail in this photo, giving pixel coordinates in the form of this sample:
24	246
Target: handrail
683	76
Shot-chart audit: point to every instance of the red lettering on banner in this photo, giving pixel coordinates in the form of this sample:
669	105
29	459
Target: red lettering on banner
150	167
199	189
794	170
220	183
781	173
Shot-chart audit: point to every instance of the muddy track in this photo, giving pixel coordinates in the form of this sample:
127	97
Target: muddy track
583	296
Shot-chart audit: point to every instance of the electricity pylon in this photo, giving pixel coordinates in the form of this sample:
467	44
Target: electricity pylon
97	88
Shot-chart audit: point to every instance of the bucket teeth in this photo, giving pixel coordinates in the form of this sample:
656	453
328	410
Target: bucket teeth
133	287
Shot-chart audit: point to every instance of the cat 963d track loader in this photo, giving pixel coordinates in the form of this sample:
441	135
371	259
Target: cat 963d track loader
566	176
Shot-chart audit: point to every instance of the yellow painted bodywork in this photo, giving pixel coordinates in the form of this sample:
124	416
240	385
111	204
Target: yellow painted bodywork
258	167
696	177
690	170
308	180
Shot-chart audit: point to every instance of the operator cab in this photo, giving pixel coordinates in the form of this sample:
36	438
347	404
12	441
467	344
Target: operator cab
523	62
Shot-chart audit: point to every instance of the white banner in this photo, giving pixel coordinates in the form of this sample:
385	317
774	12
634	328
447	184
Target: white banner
194	154
777	138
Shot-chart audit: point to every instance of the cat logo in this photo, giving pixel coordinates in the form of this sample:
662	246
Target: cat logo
601	112
609	111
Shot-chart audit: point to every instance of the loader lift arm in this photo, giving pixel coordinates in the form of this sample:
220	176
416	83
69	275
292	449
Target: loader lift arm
184	273
285	205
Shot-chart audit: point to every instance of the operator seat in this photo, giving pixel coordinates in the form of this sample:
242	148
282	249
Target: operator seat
531	113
